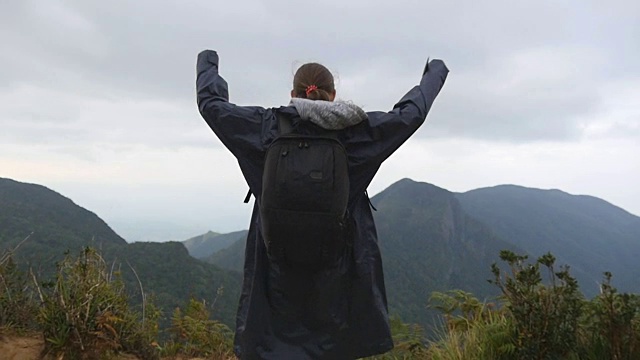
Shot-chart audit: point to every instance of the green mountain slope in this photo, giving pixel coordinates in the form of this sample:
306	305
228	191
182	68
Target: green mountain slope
59	225
173	276
203	246
429	243
587	233
232	257
56	224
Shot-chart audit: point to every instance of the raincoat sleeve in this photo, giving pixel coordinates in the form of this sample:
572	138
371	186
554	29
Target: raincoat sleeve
389	130
240	128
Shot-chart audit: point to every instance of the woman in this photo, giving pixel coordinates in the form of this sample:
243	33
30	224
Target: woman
339	313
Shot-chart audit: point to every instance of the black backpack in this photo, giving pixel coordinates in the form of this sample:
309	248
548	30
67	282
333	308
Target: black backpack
305	190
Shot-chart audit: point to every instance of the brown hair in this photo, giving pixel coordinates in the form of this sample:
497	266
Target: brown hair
313	81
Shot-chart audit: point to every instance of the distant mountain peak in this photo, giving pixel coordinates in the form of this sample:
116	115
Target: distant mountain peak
583	231
520	188
413	192
51	221
51	217
405	182
203	246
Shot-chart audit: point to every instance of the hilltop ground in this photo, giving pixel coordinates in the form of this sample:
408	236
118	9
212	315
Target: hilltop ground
20	348
30	348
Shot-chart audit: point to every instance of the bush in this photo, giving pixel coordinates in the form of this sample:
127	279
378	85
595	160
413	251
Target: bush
473	329
538	319
85	314
17	302
193	334
545	316
611	325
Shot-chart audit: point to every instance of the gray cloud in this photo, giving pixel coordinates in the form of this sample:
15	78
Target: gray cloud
500	55
535	95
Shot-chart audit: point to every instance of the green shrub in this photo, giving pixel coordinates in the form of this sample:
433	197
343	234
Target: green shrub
473	329
545	316
139	331
539	319
17	298
194	334
85	313
611	325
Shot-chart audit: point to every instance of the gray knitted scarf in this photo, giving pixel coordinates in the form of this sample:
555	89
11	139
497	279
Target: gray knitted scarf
330	115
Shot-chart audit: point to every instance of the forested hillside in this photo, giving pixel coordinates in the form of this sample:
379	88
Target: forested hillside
54	225
591	234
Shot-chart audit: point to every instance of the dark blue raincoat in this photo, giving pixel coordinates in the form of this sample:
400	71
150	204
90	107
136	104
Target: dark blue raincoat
340	313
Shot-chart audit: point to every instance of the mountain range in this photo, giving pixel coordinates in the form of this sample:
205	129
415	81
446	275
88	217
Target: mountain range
210	243
589	234
431	239
54	225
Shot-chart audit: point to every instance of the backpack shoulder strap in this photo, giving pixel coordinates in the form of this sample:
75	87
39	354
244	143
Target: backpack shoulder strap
284	124
248	196
366	193
284	127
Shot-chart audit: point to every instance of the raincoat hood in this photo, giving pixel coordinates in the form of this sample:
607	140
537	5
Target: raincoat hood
330	115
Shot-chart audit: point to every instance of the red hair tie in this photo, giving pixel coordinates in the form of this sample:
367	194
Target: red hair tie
310	88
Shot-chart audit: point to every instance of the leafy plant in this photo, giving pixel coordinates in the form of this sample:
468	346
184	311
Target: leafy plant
473	329
545	316
408	341
194	334
85	313
17	302
538	319
611	325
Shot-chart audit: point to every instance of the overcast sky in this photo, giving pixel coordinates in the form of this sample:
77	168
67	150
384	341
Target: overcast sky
97	98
